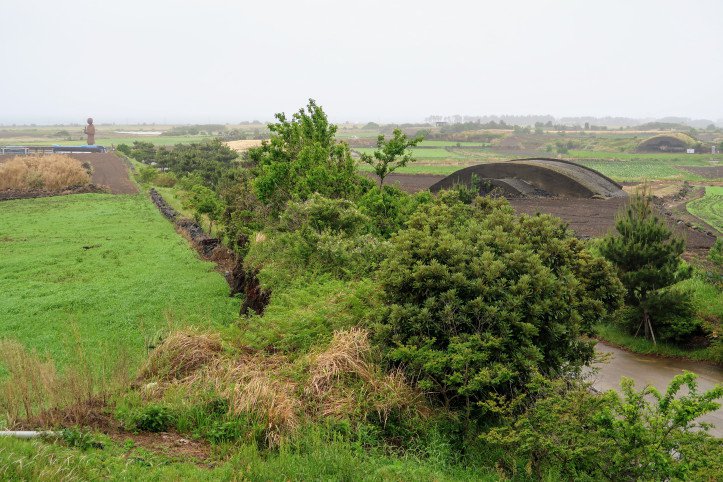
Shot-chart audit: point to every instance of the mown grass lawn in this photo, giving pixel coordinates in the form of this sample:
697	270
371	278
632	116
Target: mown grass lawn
107	270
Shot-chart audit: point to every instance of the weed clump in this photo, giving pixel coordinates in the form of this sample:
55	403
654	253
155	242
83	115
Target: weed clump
181	354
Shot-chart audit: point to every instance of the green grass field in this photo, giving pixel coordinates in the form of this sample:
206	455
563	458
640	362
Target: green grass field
709	208
107	269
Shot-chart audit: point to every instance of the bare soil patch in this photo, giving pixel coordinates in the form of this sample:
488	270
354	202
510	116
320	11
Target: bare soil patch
109	170
409	182
713	172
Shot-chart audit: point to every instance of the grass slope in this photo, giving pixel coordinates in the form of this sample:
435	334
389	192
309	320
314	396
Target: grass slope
107	270
709	208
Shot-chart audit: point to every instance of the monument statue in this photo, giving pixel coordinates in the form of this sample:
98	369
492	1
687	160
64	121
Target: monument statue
90	132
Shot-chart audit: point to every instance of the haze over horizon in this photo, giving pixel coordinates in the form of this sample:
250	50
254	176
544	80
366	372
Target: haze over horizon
220	61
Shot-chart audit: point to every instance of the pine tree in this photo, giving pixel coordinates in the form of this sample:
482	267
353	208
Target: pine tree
646	254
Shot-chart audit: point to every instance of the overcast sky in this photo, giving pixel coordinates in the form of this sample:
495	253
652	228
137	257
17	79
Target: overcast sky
228	61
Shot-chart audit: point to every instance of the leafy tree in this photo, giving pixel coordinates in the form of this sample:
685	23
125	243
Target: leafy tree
391	155
476	299
301	158
635	435
646	255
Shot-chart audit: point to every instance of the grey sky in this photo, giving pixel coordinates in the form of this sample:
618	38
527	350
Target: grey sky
228	61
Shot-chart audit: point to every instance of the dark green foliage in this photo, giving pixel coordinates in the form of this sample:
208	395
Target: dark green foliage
639	435
301	158
647	257
210	160
153	418
478	299
674	313
143	151
124	149
317	236
392	154
389	207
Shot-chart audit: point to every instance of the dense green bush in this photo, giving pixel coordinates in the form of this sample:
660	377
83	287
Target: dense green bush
390	207
210	160
674	313
314	237
477	299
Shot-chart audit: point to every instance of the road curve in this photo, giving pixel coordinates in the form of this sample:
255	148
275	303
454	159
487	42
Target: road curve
656	371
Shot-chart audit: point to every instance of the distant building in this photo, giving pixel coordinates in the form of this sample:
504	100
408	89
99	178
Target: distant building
441	123
690	151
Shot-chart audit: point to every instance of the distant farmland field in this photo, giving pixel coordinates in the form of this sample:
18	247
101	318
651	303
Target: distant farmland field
107	141
421	153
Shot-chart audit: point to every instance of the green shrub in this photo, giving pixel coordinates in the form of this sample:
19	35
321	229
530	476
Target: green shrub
674	313
389	207
146	174
318	236
476	299
153	418
165	179
636	435
79	438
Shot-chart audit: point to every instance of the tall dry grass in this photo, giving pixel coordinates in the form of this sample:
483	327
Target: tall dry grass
51	172
343	380
35	394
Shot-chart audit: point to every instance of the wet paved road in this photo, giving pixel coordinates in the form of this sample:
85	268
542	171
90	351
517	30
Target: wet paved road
647	370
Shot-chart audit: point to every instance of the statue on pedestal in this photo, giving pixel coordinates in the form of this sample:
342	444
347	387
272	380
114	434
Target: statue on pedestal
89	130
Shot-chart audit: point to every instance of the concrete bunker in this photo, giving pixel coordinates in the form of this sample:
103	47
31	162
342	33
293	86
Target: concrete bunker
534	177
